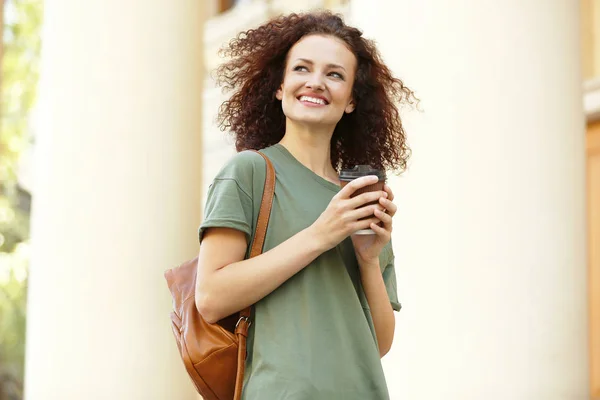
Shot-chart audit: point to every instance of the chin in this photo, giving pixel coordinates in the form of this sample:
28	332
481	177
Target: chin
311	122
314	120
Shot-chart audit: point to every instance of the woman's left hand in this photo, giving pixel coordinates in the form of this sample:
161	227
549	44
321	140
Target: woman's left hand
368	247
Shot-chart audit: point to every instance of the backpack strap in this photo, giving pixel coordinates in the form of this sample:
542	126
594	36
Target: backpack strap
265	209
241	329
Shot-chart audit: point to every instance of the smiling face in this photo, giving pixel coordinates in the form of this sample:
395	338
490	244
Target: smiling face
317	85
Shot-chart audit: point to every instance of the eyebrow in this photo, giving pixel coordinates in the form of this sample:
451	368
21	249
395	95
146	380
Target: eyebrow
312	63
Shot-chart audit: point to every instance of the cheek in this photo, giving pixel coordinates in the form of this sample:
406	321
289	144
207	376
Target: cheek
288	99
344	94
291	85
287	103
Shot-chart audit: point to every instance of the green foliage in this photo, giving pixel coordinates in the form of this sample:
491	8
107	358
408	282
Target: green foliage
18	80
13	296
19	83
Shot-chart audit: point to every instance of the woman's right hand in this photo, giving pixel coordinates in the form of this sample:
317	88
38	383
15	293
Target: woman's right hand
341	217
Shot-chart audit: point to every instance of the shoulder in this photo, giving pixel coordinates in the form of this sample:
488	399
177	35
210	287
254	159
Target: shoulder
242	167
248	157
246	169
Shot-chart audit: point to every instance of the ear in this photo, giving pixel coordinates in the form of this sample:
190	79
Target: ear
350	107
279	94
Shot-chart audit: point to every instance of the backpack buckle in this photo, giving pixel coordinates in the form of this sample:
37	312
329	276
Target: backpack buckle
245	319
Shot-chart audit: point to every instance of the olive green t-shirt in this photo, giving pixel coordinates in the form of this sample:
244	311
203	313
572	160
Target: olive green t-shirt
313	337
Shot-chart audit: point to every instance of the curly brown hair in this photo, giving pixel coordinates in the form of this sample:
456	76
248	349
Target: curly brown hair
372	134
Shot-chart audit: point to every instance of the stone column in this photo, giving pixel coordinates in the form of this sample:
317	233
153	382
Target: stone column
116	197
490	238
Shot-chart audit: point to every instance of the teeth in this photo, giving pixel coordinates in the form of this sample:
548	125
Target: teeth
312	100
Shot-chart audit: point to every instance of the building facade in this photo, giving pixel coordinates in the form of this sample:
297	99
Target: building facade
497	234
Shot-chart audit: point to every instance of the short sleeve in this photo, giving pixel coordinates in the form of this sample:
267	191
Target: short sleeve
229	201
389	278
227	206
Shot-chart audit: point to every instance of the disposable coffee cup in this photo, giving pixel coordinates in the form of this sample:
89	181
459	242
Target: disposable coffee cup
348	175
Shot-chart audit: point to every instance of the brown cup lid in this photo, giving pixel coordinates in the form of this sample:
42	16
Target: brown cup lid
361	170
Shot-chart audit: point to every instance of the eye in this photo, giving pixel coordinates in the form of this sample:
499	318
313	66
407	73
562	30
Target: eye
300	68
337	75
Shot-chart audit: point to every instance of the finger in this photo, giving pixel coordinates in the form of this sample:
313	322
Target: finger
388	190
389	206
365	198
385	218
356	184
381	231
363	212
364	224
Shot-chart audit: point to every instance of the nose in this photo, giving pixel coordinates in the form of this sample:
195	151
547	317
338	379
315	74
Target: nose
315	82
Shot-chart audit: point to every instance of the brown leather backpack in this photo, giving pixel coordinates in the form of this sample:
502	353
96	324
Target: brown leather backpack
215	354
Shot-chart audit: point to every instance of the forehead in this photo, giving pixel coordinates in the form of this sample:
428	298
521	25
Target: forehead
323	50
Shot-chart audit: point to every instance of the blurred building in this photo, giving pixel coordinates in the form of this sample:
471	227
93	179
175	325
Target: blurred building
590	28
497	240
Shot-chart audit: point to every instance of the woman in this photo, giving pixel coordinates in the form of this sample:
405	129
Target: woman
315	97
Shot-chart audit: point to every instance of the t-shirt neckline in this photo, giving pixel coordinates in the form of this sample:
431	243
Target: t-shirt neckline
329	185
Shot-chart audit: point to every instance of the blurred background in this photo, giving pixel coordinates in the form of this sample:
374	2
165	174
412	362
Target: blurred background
108	144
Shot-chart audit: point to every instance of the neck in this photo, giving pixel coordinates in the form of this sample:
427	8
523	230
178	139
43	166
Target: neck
311	146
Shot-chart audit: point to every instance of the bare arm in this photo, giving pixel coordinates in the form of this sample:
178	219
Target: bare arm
367	250
379	303
226	283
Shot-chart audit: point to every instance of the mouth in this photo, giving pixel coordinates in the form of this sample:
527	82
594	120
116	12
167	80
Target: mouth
312	101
